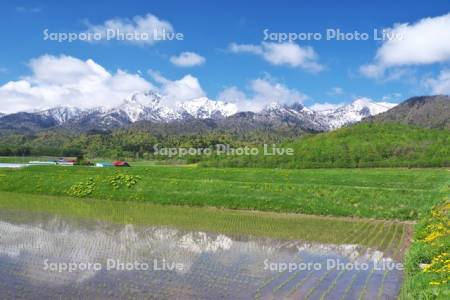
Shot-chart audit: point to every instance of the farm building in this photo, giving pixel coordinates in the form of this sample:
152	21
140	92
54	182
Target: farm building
119	163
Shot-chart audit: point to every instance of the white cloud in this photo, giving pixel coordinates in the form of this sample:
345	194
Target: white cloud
177	91
65	80
149	26
275	92
289	54
440	84
232	95
187	59
65	70
421	43
69	81
263	92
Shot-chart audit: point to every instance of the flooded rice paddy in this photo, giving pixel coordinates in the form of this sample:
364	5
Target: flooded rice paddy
49	256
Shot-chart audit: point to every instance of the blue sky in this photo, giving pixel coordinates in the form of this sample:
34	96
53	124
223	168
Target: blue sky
210	28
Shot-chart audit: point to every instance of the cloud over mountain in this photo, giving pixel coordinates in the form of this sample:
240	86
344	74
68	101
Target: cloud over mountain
439	84
421	43
187	59
261	92
66	80
279	54
149	26
69	81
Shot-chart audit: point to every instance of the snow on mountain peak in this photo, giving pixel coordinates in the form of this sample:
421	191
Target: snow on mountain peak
61	113
205	108
361	102
133	109
273	106
355	112
150	106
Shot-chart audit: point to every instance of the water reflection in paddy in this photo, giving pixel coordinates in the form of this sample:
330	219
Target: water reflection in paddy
177	264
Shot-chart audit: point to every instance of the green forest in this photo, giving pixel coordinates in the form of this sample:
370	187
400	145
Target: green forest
361	145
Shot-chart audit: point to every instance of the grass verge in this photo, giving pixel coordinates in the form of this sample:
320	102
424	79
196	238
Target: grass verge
428	259
403	194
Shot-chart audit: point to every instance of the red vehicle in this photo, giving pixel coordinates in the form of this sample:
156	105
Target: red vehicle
119	163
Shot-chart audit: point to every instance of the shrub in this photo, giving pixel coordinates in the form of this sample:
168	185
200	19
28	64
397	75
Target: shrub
428	260
118	180
82	189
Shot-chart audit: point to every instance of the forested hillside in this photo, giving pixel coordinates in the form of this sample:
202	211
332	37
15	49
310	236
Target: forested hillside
362	145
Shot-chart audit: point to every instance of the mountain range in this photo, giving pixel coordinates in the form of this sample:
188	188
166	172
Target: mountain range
424	111
151	108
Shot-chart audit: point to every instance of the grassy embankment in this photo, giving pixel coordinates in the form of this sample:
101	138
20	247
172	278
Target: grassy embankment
428	259
372	193
401	194
375	193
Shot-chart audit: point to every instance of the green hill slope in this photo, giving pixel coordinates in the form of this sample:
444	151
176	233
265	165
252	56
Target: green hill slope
425	111
362	145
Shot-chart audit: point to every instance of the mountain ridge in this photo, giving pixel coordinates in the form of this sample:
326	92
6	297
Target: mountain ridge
150	107
424	111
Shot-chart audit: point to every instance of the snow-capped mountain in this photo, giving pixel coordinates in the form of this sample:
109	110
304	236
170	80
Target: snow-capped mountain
143	106
354	112
150	106
325	120
296	114
62	114
203	108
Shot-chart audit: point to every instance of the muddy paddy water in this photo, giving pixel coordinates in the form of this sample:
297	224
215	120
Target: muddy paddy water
49	256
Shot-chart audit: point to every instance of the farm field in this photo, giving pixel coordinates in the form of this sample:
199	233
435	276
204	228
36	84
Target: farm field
403	194
251	223
224	224
225	253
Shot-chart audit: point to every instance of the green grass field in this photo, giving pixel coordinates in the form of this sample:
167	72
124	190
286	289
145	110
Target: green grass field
194	198
402	194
